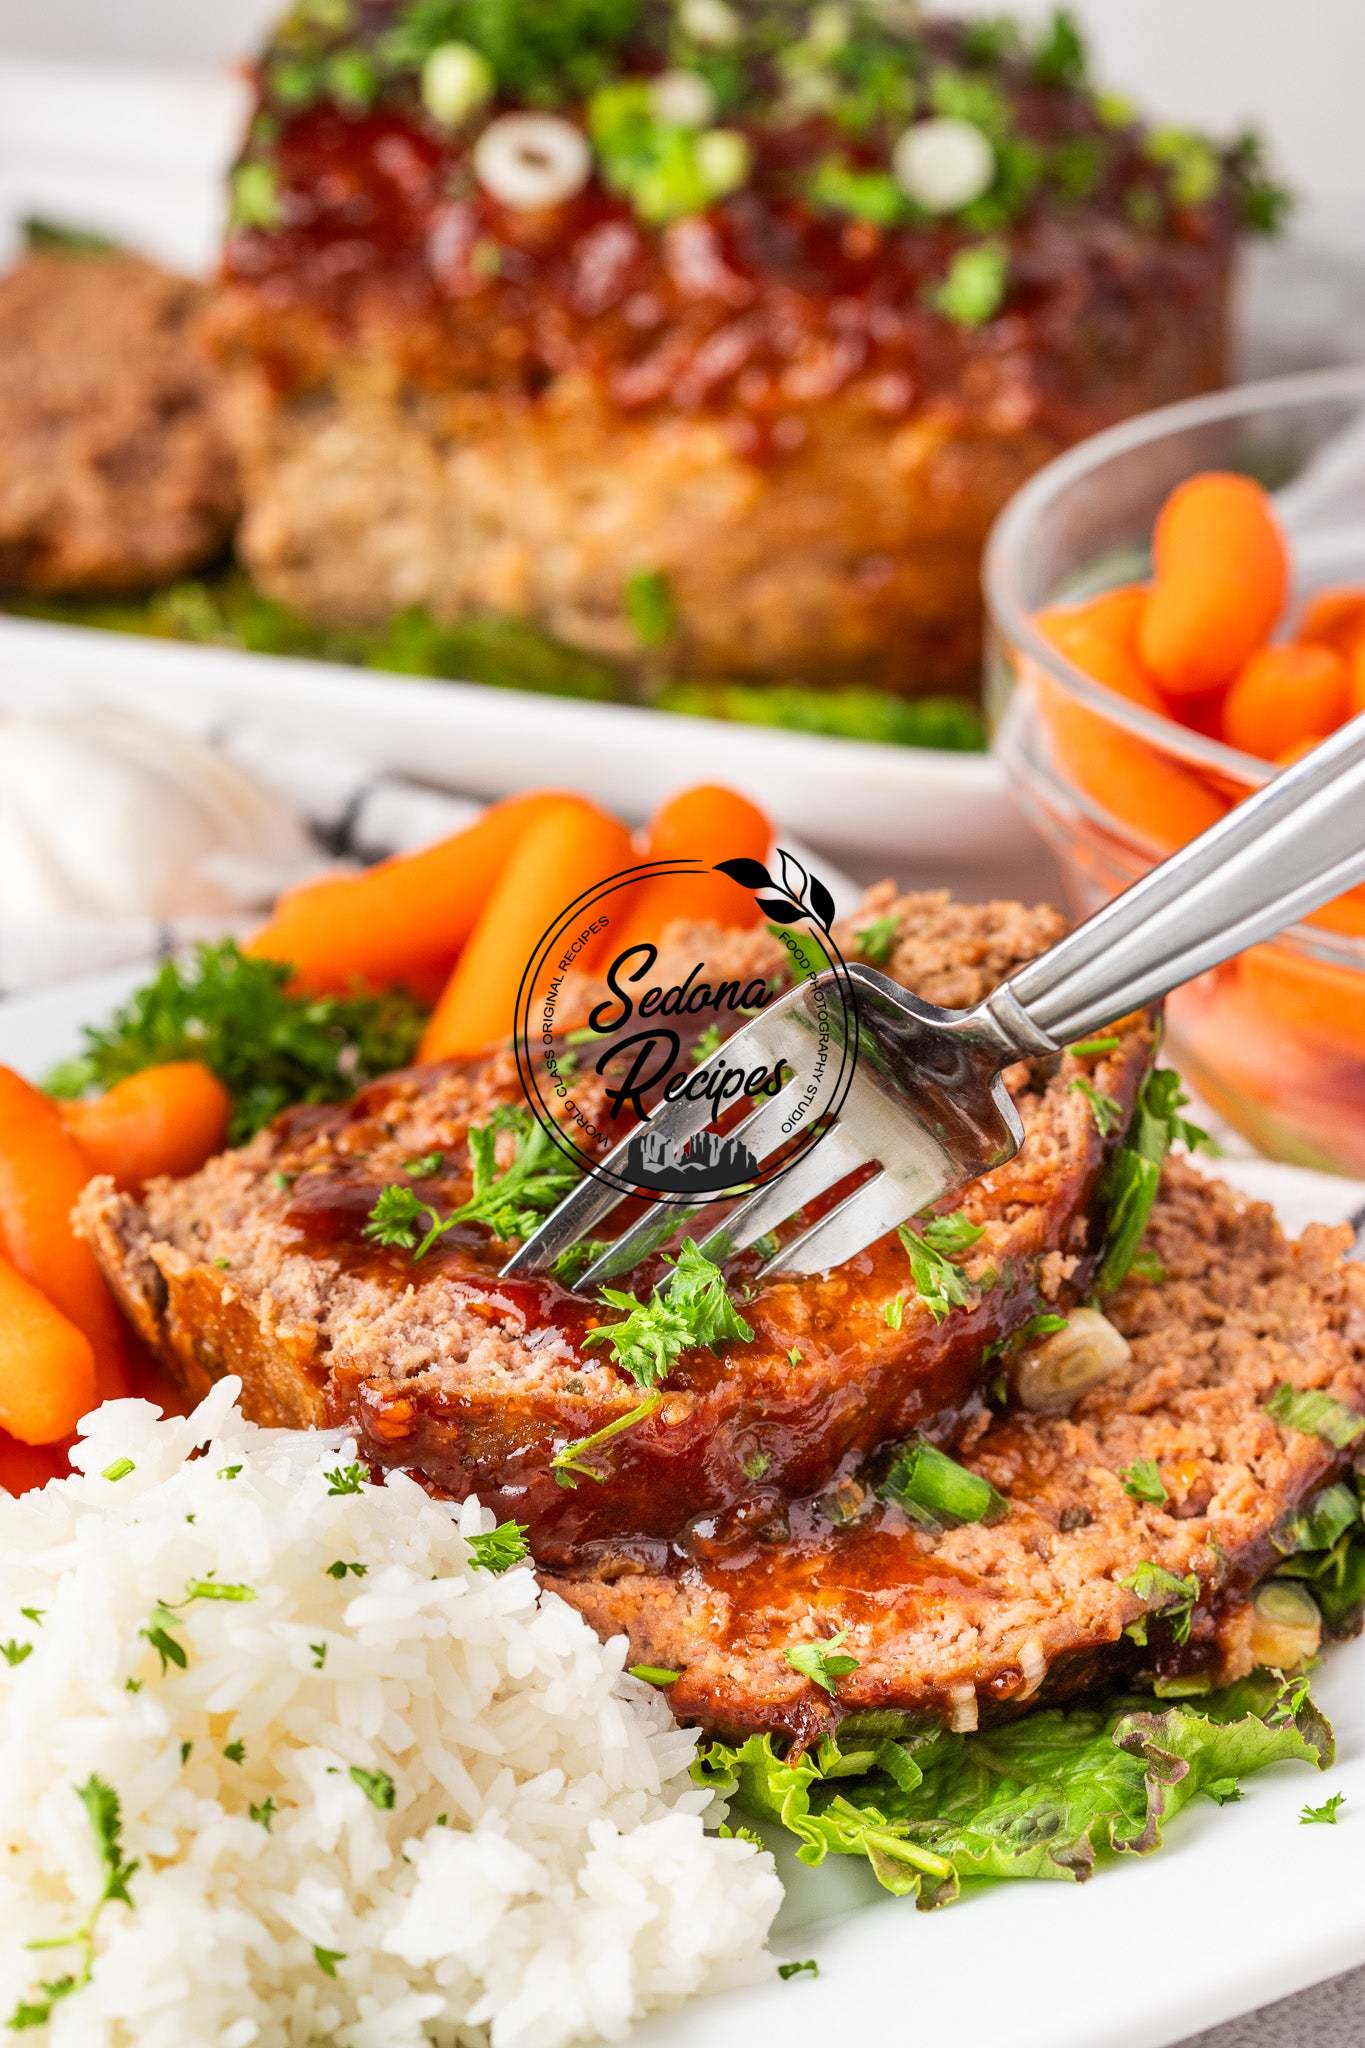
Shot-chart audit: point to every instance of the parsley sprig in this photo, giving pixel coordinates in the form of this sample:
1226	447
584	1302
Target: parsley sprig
269	1048
569	1464
941	1284
102	1808
824	1664
497	1550
1165	1595
693	1308
510	1202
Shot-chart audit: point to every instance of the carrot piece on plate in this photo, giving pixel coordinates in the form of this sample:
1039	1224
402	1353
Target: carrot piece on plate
47	1366
167	1119
395	923
42	1171
708	823
1285	695
1222	575
570	849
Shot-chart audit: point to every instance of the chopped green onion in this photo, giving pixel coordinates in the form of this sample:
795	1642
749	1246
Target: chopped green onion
1315	1413
937	1492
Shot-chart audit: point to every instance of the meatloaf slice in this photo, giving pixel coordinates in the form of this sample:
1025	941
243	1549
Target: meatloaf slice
983	1619
116	471
259	1265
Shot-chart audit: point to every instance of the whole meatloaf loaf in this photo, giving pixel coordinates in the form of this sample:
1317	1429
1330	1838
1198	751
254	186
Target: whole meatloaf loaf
262	1265
710	335
1128	1535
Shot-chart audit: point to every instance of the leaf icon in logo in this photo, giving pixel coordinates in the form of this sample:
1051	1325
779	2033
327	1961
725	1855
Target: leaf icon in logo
821	902
750	874
793	876
780	910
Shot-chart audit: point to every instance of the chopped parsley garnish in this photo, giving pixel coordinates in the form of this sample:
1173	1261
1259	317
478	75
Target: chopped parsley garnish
954	1233
1315	1413
708	1041
575	1260
423	1168
1135	1172
264	1813
157	1632
824	1664
654	1674
893	1315
339	1568
650	607
1321	1524
346	1479
15	1653
319	1655
269	1048
256	201
1104	1108
794	1356
497	1550
186	1751
839	186
974	287
377	1786
691	1309
1059	59
756	1464
510	1203
569	1465
937	1492
102	1808
235	1752
809	1968
1326	1813
876	942
1166	1597
1142	1481
34	1614
229	1471
328	1958
120	1469
940	1284
665	170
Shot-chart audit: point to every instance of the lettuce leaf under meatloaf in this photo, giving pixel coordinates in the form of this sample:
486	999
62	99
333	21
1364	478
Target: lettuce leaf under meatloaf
260	1265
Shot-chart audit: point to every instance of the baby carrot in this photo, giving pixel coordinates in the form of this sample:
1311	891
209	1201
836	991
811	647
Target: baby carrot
567	851
1334	618
167	1119
709	824
1323	1002
47	1368
1355	681
1283	696
1086	635
42	1171
391	923
1222	572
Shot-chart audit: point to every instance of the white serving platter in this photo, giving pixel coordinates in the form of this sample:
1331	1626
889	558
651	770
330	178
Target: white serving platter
141	155
1243	1906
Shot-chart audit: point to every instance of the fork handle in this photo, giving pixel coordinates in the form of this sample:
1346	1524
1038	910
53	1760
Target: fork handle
1290	848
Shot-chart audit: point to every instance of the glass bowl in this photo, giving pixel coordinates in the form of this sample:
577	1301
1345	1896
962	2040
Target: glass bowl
1275	1040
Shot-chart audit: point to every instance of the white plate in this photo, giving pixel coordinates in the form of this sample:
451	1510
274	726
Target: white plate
1241	1907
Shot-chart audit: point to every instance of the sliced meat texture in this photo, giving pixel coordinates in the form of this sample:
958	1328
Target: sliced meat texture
1049	1598
117	471
260	1266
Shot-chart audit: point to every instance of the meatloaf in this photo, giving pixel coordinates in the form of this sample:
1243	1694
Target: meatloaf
1051	1599
116	469
259	1265
660	323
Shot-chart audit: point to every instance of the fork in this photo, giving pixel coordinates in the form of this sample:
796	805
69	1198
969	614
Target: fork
927	1106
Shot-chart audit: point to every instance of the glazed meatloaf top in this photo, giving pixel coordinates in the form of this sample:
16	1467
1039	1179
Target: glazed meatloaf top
261	1265
722	211
117	471
1087	1574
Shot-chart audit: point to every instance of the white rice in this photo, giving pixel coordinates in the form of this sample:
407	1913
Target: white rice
571	1887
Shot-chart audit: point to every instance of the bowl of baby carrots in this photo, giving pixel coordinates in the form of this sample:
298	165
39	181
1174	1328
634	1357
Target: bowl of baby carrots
1177	613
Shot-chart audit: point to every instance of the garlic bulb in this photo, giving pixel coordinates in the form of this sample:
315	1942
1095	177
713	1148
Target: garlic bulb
106	815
